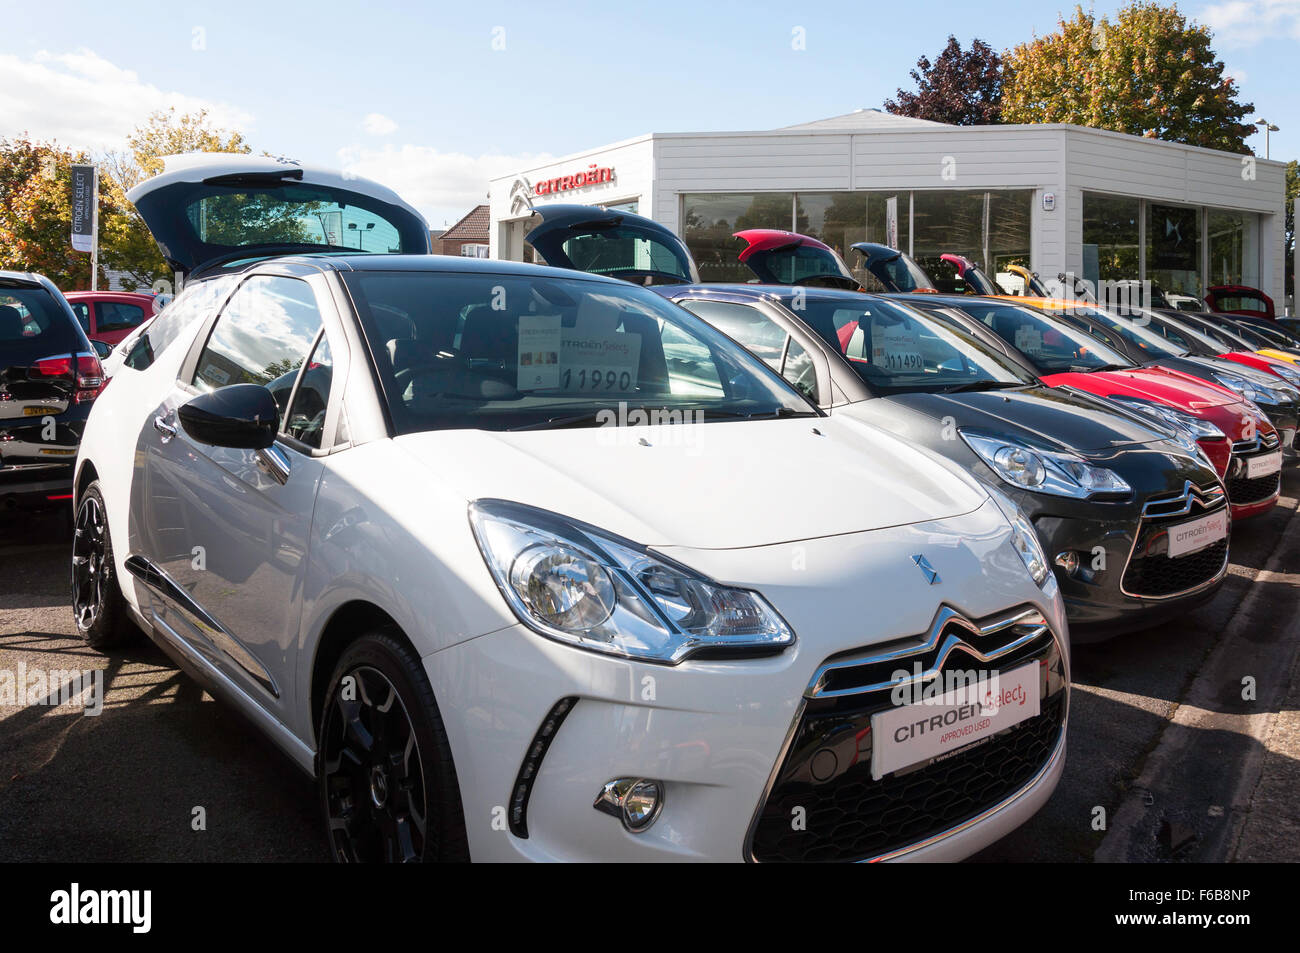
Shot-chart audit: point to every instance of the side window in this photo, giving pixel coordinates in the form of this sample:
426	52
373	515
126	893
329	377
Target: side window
764	338
262	337
82	310
306	418
117	316
758	333
180	313
800	371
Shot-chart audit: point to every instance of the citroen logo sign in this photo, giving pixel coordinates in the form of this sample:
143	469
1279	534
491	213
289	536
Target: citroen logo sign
924	565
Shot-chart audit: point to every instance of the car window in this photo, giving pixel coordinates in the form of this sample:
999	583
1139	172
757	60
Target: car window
196	302
263	336
504	351
760	334
1052	345
897	349
82	310
118	316
764	338
31	320
306	418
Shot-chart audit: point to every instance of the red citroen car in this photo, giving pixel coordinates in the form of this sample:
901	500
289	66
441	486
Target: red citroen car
109	316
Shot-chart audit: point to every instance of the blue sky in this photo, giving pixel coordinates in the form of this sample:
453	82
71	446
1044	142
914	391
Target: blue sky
433	99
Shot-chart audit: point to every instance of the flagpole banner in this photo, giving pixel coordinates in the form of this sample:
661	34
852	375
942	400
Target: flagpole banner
83	207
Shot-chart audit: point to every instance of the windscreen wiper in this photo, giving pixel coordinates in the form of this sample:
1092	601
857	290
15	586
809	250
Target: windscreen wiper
982	385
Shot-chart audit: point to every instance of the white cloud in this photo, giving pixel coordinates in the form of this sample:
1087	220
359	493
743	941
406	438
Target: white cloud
86	102
377	124
442	185
1242	23
1240	75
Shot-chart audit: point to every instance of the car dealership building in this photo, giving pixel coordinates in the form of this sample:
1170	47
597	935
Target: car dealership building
1056	198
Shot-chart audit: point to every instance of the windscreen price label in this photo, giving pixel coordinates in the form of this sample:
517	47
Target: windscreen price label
599	362
894	348
575	360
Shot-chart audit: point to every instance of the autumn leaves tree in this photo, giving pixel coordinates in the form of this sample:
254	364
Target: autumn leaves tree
36	208
1149	72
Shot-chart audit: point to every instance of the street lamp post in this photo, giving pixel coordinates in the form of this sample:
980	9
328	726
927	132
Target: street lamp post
352	226
1267	127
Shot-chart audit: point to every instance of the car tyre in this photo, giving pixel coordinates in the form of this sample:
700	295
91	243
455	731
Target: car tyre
99	609
385	773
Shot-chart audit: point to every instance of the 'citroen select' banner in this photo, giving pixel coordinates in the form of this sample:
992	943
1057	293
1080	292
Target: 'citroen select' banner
83	207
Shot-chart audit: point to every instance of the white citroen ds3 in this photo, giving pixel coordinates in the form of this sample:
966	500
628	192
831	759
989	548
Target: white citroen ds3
522	563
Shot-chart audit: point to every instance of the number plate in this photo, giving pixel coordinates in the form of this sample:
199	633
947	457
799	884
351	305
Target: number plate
1193	536
1263	466
911	734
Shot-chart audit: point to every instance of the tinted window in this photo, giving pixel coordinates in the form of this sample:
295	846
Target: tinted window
32	319
262	337
82	310
506	351
118	316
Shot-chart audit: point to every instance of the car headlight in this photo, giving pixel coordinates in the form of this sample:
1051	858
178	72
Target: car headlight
1024	539
1187	428
579	585
1255	393
1043	471
1288	374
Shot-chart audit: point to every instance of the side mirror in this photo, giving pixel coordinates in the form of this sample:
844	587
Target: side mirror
241	417
102	350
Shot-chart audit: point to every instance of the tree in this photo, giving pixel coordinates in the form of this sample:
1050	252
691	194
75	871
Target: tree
36	211
1150	73
126	245
961	88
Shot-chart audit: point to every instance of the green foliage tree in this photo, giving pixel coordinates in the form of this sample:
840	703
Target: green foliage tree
1149	72
36	211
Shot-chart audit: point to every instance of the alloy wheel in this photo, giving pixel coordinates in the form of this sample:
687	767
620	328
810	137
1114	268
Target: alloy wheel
89	563
375	797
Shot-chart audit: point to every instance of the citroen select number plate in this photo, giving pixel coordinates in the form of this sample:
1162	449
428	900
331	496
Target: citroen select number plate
1195	535
911	734
1264	465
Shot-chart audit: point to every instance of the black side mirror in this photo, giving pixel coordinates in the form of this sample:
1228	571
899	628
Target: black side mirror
240	416
102	349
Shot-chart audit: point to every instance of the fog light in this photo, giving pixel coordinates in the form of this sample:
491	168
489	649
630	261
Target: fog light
1069	561
634	801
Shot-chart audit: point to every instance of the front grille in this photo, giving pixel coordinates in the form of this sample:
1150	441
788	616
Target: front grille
1157	575
1150	572
1242	491
845	815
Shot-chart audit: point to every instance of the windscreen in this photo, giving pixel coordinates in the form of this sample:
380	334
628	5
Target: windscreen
895	349
1053	346
1136	330
509	352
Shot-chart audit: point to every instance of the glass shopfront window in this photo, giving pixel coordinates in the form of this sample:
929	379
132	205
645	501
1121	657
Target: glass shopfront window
710	219
1174	248
947	223
1111	238
1233	248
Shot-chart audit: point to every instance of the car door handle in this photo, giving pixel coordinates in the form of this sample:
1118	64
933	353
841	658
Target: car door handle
164	427
274	462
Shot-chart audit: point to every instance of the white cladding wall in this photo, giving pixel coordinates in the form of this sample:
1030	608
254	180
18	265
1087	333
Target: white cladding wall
1065	161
